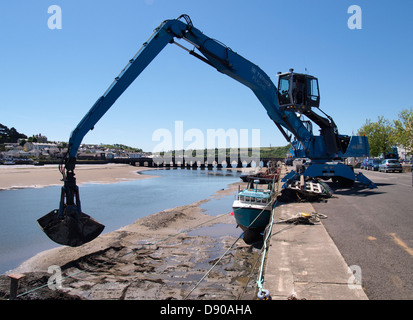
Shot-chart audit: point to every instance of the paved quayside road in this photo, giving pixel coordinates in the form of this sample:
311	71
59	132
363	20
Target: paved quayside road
372	228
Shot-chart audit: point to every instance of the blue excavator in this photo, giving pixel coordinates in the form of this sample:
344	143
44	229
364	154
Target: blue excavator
297	96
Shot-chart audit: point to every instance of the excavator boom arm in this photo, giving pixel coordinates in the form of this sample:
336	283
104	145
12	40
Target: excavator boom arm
212	52
149	50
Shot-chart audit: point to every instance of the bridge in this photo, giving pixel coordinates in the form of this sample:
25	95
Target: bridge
183	163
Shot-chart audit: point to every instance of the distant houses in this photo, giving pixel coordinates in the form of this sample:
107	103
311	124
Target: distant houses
51	150
19	147
32	150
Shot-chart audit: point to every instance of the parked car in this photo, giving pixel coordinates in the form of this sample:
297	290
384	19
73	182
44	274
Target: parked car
390	165
363	164
373	164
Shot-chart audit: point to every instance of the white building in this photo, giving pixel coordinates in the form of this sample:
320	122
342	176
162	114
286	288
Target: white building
28	146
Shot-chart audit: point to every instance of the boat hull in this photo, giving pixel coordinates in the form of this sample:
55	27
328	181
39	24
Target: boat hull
246	214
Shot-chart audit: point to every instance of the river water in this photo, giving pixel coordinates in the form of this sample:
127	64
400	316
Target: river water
114	205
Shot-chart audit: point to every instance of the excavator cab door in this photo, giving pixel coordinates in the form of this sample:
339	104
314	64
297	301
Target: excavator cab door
297	92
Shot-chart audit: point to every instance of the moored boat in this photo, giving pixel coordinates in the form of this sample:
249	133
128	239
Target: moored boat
264	175
252	206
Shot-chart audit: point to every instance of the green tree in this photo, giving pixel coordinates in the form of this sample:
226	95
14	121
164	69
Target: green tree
9	135
403	129
381	135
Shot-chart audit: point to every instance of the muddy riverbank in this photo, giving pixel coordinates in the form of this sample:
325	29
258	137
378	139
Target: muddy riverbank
161	256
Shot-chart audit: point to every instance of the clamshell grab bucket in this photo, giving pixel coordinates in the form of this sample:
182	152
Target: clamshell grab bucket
70	229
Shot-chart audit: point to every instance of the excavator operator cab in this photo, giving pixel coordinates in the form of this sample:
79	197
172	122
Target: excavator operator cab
297	92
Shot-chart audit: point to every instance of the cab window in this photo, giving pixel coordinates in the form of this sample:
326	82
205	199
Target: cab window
284	90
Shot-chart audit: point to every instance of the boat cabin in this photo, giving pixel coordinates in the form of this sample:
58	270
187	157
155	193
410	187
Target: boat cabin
257	196
254	195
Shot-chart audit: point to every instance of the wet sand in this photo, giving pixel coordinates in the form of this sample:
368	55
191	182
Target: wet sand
156	257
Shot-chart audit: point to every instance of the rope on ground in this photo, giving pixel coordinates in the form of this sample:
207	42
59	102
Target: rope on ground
305	218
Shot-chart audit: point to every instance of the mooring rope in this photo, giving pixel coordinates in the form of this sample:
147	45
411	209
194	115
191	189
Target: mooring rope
264	293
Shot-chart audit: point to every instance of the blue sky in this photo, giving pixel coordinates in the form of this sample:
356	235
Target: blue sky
51	78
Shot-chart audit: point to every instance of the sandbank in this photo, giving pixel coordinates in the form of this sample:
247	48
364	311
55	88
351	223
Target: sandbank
26	176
